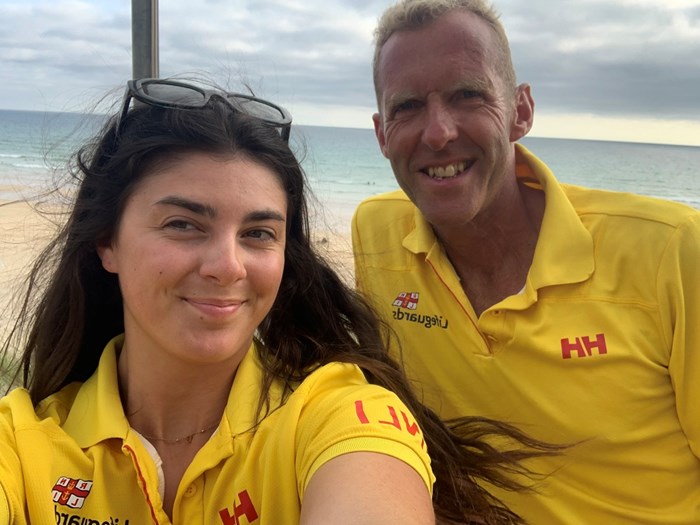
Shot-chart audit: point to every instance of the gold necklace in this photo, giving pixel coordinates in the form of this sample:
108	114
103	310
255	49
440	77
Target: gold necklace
187	438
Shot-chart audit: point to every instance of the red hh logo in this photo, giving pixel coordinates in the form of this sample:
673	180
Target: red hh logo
584	346
245	508
71	492
408	300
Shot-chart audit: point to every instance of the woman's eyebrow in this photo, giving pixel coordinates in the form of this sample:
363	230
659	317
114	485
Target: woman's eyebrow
193	206
264	215
210	211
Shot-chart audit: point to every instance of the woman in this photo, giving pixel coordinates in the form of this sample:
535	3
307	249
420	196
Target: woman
241	381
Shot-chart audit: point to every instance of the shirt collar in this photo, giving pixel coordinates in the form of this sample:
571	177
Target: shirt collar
242	406
564	251
422	238
97	413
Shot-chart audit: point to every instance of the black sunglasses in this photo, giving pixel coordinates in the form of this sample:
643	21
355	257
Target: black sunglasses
180	95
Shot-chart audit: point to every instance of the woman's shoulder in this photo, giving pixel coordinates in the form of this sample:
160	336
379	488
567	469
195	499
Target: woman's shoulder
340	412
336	402
19	412
340	392
339	379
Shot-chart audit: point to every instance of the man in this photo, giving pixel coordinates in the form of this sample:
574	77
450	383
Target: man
572	313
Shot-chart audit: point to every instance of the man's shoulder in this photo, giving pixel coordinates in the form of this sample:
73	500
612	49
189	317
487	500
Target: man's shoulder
628	206
392	210
380	226
395	202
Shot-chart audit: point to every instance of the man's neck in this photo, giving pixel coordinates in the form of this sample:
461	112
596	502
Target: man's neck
493	253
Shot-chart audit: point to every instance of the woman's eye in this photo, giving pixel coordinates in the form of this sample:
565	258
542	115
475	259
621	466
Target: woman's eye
180	225
262	235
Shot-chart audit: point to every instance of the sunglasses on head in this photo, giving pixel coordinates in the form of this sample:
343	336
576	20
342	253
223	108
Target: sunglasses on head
180	95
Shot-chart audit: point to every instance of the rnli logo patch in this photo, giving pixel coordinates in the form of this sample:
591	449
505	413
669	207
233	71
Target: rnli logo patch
406	300
71	492
405	306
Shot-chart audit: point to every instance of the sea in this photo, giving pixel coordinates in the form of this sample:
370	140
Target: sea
344	165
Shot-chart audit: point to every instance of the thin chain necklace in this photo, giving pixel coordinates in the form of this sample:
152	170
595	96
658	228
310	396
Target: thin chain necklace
188	438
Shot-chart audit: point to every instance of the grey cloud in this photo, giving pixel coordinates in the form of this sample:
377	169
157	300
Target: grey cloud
601	57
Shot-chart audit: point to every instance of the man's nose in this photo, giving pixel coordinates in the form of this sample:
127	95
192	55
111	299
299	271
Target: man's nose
440	126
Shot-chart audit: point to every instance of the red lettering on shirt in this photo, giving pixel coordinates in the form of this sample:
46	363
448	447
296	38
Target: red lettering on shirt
412	428
245	508
584	346
394	418
360	411
409	425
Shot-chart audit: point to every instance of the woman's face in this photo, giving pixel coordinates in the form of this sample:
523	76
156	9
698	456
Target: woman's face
199	253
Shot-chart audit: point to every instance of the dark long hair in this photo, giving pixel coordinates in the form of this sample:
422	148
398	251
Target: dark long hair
73	307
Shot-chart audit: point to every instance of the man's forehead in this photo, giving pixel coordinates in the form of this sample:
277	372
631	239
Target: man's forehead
413	63
454	39
467	28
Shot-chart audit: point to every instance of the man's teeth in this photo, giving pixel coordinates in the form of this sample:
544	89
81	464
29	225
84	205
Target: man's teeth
445	172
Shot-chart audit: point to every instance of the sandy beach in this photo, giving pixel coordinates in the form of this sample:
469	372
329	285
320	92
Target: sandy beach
23	233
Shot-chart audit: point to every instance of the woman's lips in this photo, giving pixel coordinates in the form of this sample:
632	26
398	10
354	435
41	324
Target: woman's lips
217	308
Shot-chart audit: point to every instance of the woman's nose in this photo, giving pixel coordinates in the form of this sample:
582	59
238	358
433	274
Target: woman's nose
224	261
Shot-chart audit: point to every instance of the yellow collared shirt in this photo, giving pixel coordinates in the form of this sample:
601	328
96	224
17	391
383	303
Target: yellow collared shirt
601	347
74	460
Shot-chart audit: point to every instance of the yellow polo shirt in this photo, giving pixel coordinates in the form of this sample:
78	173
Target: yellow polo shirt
601	348
75	460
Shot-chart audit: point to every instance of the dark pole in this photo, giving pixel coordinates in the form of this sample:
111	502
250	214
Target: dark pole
144	38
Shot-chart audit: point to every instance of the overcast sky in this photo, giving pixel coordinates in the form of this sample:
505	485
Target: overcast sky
614	69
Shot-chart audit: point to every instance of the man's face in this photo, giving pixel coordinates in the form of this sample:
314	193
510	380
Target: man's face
446	120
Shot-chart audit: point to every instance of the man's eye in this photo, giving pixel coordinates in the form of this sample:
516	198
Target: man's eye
469	94
405	106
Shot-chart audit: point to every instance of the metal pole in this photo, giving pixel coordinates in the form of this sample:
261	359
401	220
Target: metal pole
144	38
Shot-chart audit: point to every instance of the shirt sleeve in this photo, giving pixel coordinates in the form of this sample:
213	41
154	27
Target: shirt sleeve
4	509
10	469
344	414
679	297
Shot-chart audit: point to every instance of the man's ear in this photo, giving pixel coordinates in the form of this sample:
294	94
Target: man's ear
106	254
524	114
379	132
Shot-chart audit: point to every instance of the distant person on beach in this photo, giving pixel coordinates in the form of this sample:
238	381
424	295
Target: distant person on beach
189	358
570	312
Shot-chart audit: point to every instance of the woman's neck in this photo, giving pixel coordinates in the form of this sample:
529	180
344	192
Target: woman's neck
169	402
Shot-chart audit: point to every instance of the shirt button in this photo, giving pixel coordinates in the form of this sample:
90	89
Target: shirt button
191	491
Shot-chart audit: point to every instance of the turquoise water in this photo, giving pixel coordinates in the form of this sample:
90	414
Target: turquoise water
345	165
